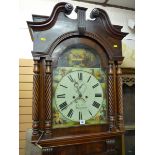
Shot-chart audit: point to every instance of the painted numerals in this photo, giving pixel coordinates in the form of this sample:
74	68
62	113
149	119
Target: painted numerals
79	96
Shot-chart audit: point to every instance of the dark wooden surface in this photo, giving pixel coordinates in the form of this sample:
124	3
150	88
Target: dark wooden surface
129	109
129	118
128	71
90	148
51	36
129	104
130	142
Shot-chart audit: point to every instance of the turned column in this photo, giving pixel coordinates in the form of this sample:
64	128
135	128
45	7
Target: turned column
35	100
111	98
120	121
48	97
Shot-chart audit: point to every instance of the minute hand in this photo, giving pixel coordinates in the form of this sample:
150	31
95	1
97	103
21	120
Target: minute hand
83	89
77	88
80	94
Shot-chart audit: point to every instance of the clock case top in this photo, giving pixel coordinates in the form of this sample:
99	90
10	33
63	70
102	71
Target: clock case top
50	33
47	32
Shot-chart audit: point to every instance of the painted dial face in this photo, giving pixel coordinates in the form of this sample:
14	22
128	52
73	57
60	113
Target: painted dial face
79	96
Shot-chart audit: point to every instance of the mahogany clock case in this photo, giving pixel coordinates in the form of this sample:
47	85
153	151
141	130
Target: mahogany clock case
52	36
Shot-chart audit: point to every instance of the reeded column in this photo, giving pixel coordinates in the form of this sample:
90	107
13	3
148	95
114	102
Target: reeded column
120	120
35	101
48	97
111	98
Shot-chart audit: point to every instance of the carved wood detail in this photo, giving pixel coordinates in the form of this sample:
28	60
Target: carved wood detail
102	41
48	97
94	13
35	104
60	7
81	15
68	8
128	79
111	99
47	151
110	143
120	120
110	29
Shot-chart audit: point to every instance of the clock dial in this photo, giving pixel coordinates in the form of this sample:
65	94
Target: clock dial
79	88
79	96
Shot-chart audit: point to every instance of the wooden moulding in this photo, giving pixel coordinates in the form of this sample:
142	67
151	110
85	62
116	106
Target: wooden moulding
47	150
78	139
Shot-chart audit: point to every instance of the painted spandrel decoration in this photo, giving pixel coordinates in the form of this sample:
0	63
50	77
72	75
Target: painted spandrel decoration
79	56
79	85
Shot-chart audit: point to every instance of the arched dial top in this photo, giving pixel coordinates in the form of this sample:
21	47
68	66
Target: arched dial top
79	96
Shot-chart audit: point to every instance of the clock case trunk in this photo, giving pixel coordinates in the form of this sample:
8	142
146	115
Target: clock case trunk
50	33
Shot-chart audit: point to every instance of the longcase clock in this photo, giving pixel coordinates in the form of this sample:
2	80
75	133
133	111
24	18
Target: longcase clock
77	84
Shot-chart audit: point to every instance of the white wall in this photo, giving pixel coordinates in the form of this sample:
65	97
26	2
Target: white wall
45	7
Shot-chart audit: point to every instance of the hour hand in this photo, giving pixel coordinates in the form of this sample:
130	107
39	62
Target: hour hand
75	100
81	86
